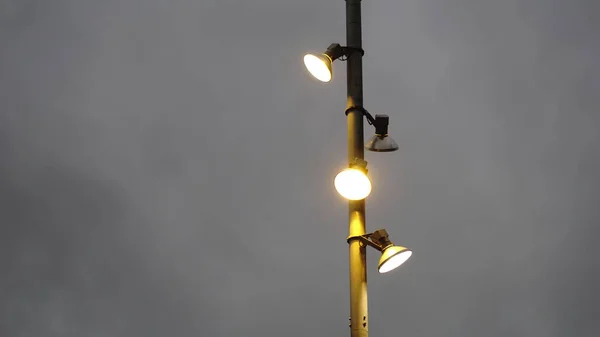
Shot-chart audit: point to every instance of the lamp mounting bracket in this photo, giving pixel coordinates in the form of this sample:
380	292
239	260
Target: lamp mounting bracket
359	163
380	122
336	51
362	110
378	239
365	240
346	51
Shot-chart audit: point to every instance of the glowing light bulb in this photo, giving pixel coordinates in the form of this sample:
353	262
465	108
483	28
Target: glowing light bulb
352	184
318	66
392	258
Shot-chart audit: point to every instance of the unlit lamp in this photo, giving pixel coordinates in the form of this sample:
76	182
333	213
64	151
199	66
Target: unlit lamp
381	141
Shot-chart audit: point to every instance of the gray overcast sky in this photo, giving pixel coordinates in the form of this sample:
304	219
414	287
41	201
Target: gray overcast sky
166	168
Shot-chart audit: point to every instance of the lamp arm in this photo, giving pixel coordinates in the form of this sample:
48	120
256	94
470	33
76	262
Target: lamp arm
380	122
366	240
336	51
364	111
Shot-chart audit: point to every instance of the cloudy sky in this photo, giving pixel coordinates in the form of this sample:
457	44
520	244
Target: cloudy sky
166	168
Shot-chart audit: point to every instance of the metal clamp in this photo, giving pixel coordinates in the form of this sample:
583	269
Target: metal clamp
348	50
362	110
365	240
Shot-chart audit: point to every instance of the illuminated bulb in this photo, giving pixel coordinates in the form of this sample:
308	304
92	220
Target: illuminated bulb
319	66
352	184
392	257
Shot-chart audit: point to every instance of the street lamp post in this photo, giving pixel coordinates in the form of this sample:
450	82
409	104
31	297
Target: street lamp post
353	183
359	317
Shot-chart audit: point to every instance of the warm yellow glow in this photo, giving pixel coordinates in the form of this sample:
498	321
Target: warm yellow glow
318	66
352	184
392	258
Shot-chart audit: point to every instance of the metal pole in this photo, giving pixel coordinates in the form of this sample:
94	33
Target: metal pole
359	320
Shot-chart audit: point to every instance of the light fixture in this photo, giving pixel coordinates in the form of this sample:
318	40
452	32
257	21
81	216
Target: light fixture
381	142
391	256
320	65
352	183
